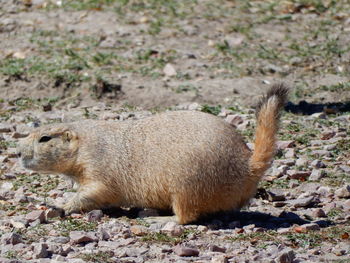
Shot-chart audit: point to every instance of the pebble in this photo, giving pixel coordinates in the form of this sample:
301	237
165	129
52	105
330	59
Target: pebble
311	226
40	250
318	212
11	238
276	195
321	153
300	162
53	212
290	153
220	259
301	202
169	70
287	255
184	251
77	237
139	230
172	229
4	128
343	192
345	168
317	175
282	145
94	216
234	119
299	175
318	164
6	186
215	248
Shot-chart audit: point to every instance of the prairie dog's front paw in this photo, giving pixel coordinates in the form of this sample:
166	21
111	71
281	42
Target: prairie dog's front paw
70	208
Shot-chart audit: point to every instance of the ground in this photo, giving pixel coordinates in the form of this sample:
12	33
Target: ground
126	59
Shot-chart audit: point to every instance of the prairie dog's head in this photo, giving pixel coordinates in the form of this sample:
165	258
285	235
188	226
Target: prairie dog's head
49	149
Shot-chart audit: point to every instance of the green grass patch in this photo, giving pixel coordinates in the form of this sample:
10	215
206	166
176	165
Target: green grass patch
98	257
68	224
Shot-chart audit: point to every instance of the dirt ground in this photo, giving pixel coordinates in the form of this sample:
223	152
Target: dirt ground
64	60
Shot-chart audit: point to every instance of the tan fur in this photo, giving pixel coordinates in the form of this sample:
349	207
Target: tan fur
191	162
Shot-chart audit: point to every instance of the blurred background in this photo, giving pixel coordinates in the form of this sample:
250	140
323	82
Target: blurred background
156	54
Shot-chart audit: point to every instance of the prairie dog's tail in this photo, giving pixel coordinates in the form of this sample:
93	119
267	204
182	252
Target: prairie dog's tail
268	115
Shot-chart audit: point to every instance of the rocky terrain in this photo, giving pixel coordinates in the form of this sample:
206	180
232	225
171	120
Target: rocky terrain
114	60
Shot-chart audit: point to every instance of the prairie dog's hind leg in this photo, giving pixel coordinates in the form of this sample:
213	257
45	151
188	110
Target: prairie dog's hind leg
184	211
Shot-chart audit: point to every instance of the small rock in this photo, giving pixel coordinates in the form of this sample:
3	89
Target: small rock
316	175
343	192
330	147
215	248
135	252
202	228
169	70
194	106
7	186
234	120
11	238
17	135
311	226
40	250
319	212
301	162
287	255
301	202
290	153
6	128
138	230
77	237
318	164
234	41
276	195
60	240
220	259
11	153
94	216
323	191
288	162
284	230
53	212
346	206
299	175
319	115
327	135
183	251
321	153
345	168
104	234
172	229
36	215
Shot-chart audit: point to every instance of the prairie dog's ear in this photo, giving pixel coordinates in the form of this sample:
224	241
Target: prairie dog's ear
68	136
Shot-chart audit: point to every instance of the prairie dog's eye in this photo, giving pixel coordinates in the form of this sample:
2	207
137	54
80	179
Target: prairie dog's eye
45	139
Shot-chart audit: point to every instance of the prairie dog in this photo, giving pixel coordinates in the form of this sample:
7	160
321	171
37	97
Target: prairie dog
191	162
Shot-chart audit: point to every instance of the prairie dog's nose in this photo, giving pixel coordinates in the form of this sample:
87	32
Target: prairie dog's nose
19	154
